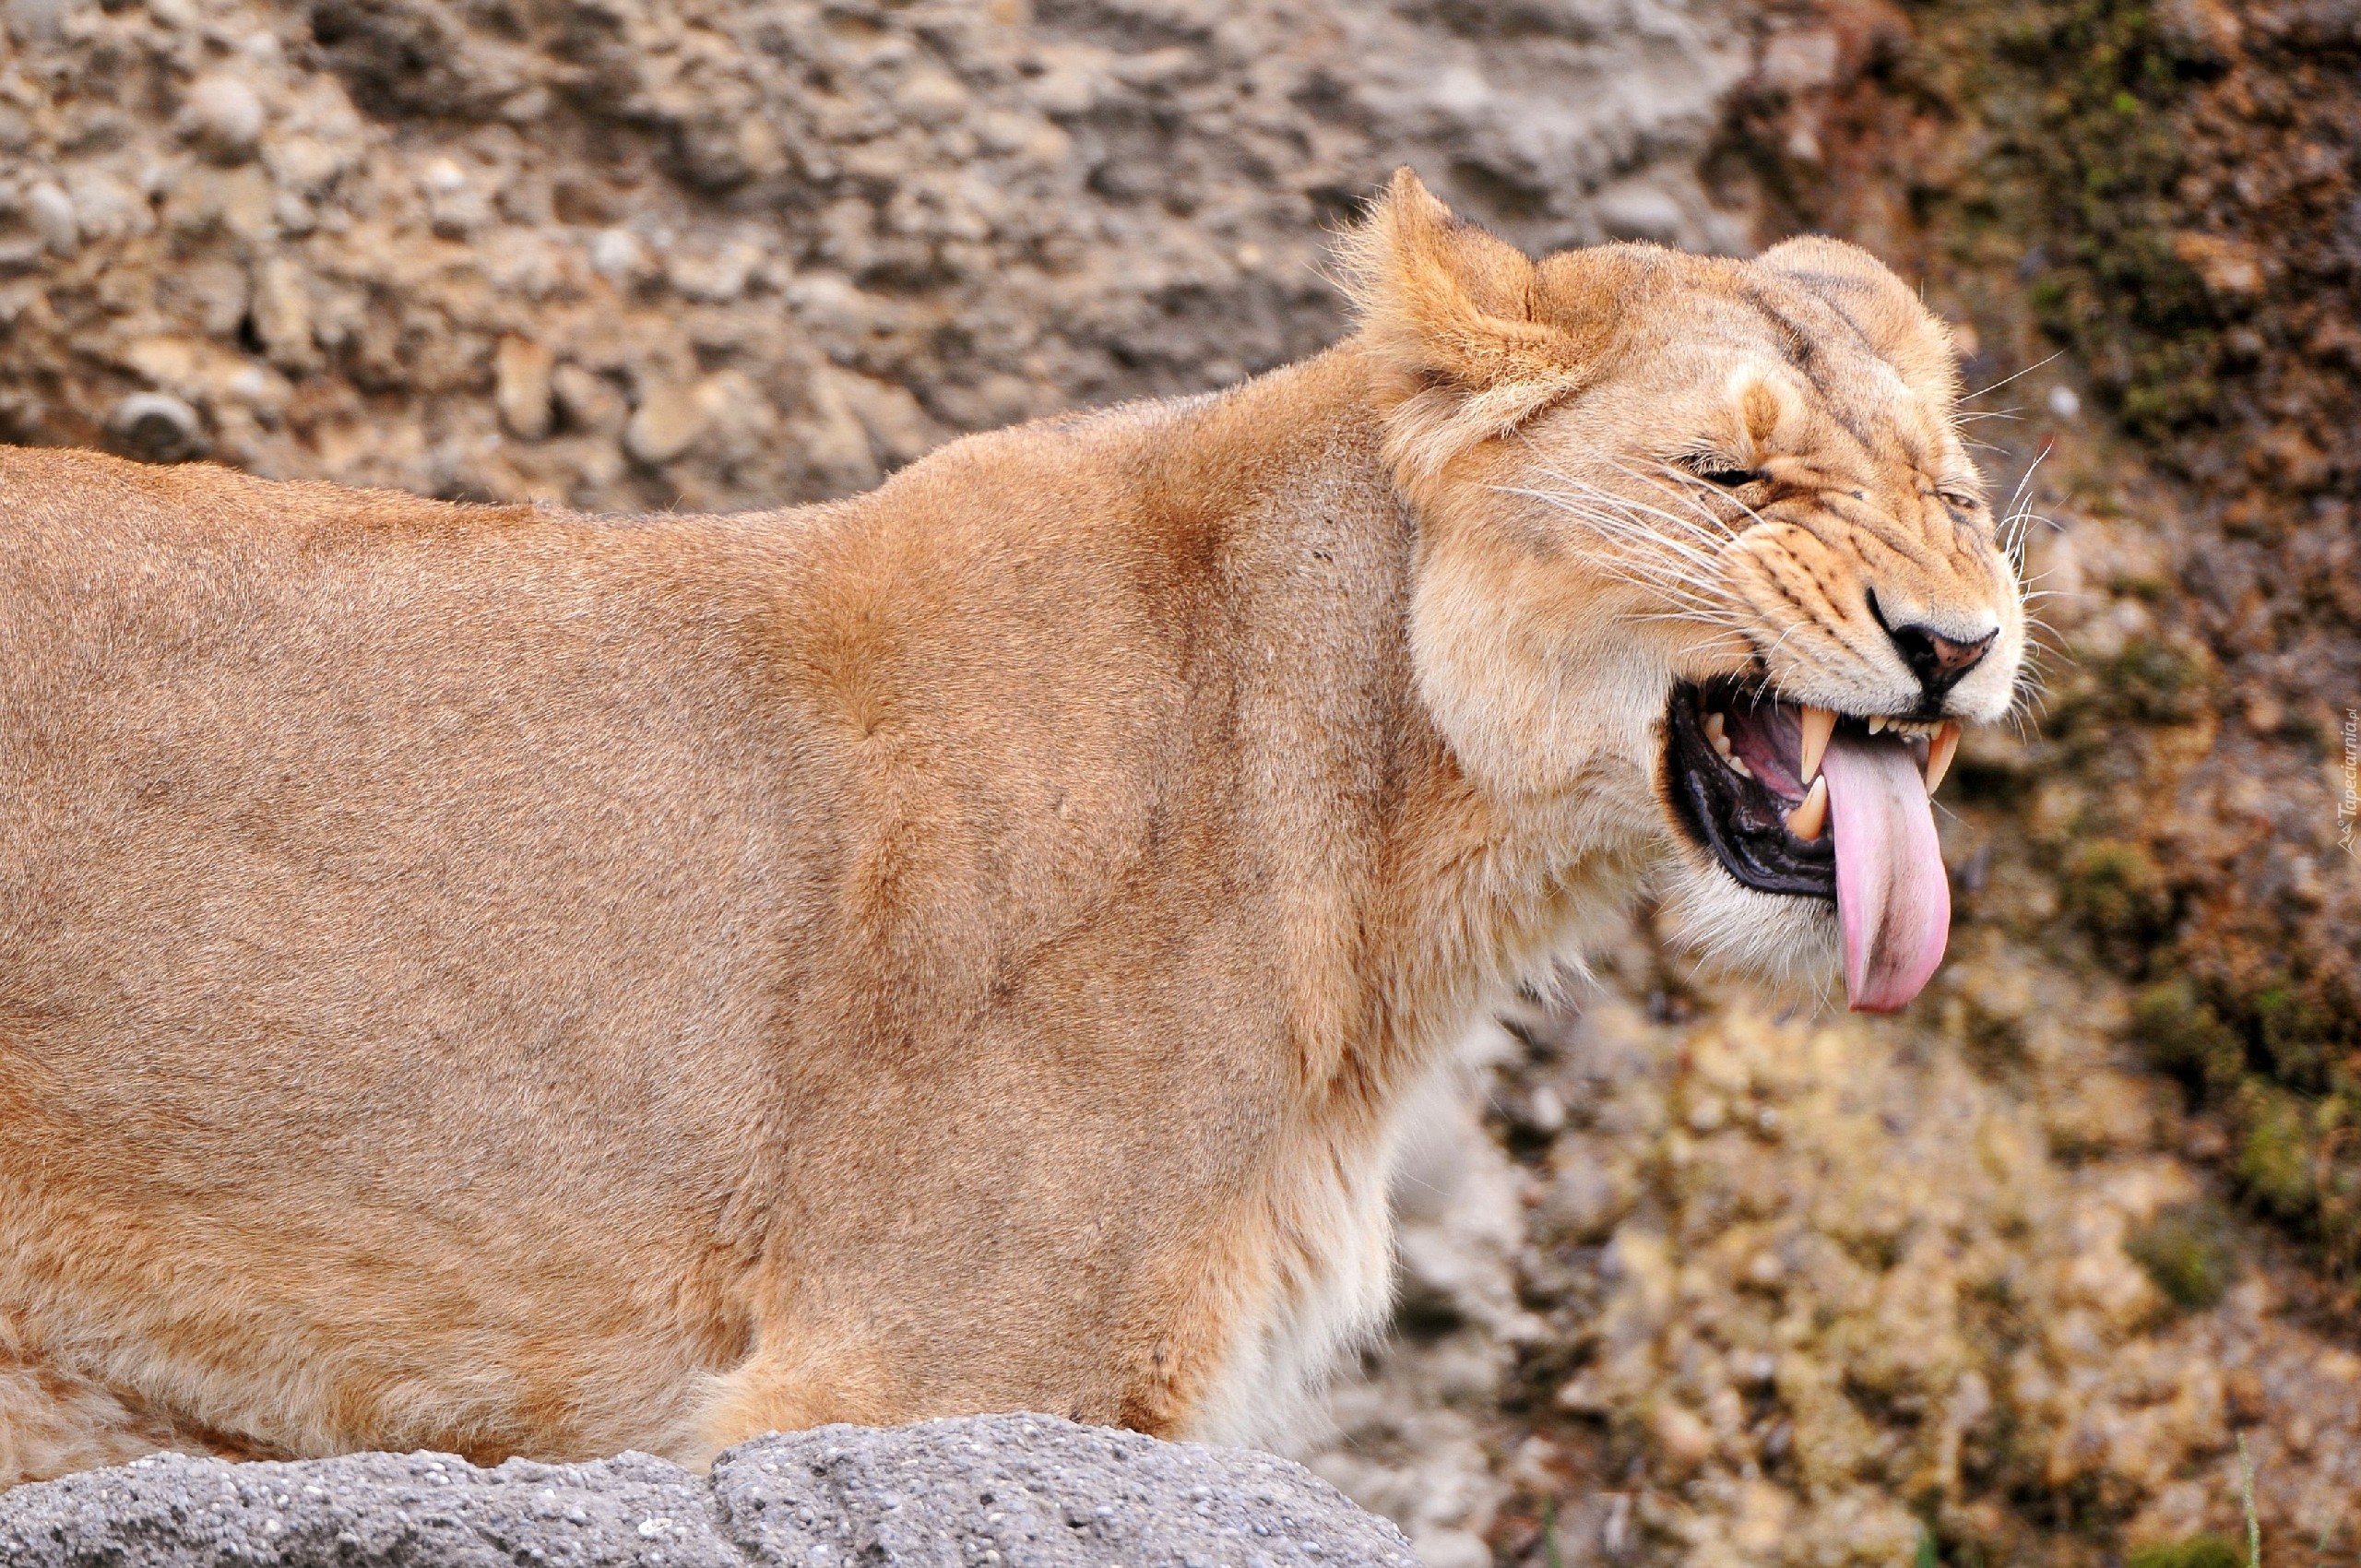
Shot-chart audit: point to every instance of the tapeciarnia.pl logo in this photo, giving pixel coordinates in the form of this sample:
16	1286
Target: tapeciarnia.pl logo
2348	805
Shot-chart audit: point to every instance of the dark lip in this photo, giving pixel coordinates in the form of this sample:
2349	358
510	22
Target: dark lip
1738	820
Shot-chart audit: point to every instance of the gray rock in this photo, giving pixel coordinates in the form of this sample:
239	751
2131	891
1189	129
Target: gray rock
985	1492
1640	213
36	20
54	217
667	423
225	117
157	427
520	388
1583	1203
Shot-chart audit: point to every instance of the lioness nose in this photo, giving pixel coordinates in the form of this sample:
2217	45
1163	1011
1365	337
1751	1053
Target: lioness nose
1938	661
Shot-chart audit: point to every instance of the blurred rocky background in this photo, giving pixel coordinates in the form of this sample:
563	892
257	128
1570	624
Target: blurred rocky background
1691	1274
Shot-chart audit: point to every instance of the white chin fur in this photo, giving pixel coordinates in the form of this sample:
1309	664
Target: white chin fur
1773	937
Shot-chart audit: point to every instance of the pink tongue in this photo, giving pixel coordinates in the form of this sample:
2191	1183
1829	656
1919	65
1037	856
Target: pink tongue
1892	896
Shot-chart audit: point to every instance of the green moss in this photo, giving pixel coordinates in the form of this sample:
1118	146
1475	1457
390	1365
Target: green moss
2117	890
2182	1035
2156	682
2096	708
2083	97
2187	1251
2339	1191
2295	1036
1993	1043
2279	1061
2196	1551
2275	1154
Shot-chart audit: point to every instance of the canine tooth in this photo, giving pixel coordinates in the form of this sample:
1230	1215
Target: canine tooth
1939	752
1716	726
1810	819
1722	744
1877	723
1818	725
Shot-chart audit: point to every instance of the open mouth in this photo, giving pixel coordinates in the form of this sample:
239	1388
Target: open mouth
1798	800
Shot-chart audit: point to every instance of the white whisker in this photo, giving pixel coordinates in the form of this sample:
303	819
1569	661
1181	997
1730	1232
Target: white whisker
1971	396
1623	527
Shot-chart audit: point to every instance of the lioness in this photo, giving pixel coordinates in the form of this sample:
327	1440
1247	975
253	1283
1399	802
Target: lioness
522	983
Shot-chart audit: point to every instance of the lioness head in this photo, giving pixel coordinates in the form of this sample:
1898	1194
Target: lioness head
1713	520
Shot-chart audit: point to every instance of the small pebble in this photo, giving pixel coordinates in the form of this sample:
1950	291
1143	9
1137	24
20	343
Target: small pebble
617	254
53	214
225	117
157	427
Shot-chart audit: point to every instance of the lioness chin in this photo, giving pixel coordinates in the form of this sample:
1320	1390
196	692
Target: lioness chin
515	983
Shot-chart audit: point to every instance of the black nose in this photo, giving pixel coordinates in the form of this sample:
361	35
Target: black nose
1938	660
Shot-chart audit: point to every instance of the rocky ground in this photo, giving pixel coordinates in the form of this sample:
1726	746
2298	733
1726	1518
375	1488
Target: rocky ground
1723	1281
1692	1274
1031	1491
637	255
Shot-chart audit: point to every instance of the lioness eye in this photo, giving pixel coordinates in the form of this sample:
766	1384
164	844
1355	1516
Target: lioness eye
1728	478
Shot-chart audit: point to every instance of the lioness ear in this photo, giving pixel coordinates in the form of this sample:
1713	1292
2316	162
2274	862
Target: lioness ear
1904	333
1454	311
1444	298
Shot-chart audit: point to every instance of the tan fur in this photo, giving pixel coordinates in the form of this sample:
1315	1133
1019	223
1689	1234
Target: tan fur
519	982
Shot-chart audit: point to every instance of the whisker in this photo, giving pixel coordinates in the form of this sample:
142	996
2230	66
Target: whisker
1625	526
1688	488
1768	654
1731	628
1665	577
1718	534
1718	531
1971	396
1691	485
2012	530
1684	490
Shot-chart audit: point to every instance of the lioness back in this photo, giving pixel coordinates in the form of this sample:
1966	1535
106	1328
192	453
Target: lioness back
452	957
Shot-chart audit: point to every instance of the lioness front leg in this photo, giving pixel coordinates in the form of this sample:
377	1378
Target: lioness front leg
795	1386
